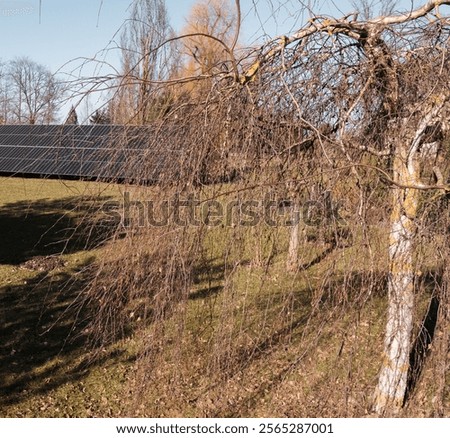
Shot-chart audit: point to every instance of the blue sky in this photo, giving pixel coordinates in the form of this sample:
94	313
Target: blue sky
82	28
70	29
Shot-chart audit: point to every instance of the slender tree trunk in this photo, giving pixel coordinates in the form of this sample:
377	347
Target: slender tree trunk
144	92
292	259
390	393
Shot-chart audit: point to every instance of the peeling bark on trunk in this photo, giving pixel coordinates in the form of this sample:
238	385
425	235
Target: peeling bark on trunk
391	388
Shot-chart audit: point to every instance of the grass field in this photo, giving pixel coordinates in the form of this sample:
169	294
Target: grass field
261	344
41	218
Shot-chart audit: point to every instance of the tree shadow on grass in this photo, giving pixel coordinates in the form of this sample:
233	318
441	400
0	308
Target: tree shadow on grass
35	329
208	279
43	337
47	227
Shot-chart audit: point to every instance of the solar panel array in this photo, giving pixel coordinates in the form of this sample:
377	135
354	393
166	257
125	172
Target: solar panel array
78	151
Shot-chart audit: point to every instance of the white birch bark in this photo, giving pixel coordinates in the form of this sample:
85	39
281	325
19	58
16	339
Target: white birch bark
292	259
390	392
397	343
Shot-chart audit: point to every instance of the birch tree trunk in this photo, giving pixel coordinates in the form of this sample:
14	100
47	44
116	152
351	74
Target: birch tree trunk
391	388
390	392
292	259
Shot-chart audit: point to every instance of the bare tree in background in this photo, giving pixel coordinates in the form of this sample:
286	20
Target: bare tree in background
146	59
213	25
36	94
5	96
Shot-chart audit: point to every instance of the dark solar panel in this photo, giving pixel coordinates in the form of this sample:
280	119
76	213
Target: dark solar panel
97	151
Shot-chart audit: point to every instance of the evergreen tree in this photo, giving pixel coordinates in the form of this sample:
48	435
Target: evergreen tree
72	118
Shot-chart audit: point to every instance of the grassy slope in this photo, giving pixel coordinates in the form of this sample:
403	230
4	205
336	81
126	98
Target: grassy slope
38	356
247	350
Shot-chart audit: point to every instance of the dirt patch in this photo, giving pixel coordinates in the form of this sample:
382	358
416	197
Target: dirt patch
43	263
